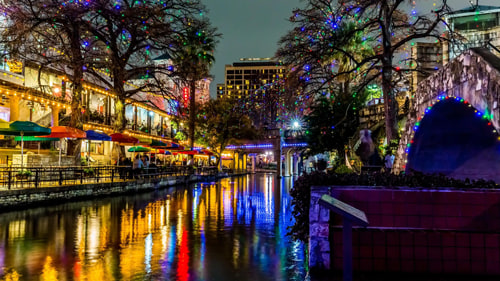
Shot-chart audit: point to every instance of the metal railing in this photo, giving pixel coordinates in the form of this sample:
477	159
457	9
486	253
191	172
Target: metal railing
14	177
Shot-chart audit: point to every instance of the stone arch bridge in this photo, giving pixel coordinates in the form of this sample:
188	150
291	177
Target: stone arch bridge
453	123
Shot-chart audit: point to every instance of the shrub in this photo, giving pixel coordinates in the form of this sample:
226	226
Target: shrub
88	171
26	173
343	169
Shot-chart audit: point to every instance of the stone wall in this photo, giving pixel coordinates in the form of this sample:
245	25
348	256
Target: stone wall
411	230
28	197
473	76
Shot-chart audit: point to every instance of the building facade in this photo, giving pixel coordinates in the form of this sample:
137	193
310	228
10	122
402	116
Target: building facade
44	97
477	26
256	83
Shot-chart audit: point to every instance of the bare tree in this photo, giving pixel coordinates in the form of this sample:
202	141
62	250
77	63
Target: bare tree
48	34
133	33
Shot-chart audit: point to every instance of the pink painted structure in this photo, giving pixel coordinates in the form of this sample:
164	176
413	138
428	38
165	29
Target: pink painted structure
411	230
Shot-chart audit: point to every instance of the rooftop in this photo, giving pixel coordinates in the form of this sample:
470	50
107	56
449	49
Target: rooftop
474	9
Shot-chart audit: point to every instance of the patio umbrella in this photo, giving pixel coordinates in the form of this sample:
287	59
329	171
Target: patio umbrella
174	146
23	128
62	132
31	138
207	152
93	135
189	152
123	139
158	144
139	149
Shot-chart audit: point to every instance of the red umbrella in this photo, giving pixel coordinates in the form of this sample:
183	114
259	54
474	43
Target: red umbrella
62	132
189	152
207	152
124	139
66	132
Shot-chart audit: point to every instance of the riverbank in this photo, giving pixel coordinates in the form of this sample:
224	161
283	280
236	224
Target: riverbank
28	197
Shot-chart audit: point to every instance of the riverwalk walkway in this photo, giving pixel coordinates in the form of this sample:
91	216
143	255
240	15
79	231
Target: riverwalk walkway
19	188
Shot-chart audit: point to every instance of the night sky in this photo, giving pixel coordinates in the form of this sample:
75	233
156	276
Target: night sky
252	28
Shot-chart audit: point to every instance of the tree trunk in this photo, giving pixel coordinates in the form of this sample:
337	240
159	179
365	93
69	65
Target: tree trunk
74	146
120	120
219	160
390	106
192	113
341	152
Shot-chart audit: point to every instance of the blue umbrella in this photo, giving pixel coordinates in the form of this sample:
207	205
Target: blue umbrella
93	135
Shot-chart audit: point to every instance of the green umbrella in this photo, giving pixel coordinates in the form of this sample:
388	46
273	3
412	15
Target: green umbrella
32	138
138	149
24	128
156	143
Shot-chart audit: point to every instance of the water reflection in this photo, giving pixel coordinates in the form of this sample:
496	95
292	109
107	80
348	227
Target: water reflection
232	229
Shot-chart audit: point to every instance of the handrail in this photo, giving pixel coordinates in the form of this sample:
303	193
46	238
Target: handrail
13	177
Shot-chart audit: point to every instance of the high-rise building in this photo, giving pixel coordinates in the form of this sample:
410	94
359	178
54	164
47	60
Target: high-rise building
256	84
221	90
478	26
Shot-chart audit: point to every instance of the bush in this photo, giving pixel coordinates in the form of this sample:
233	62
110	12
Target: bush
26	173
88	171
343	169
302	196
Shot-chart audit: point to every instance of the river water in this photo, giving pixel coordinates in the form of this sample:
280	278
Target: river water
233	229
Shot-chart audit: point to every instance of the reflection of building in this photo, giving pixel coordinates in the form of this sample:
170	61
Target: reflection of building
256	83
477	26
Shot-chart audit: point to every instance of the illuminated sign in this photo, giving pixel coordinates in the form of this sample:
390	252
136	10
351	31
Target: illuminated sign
185	96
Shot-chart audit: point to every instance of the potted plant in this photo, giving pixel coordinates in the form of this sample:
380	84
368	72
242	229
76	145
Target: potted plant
88	172
23	174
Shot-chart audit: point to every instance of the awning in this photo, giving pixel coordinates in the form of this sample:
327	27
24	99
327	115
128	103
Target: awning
66	132
121	138
93	135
